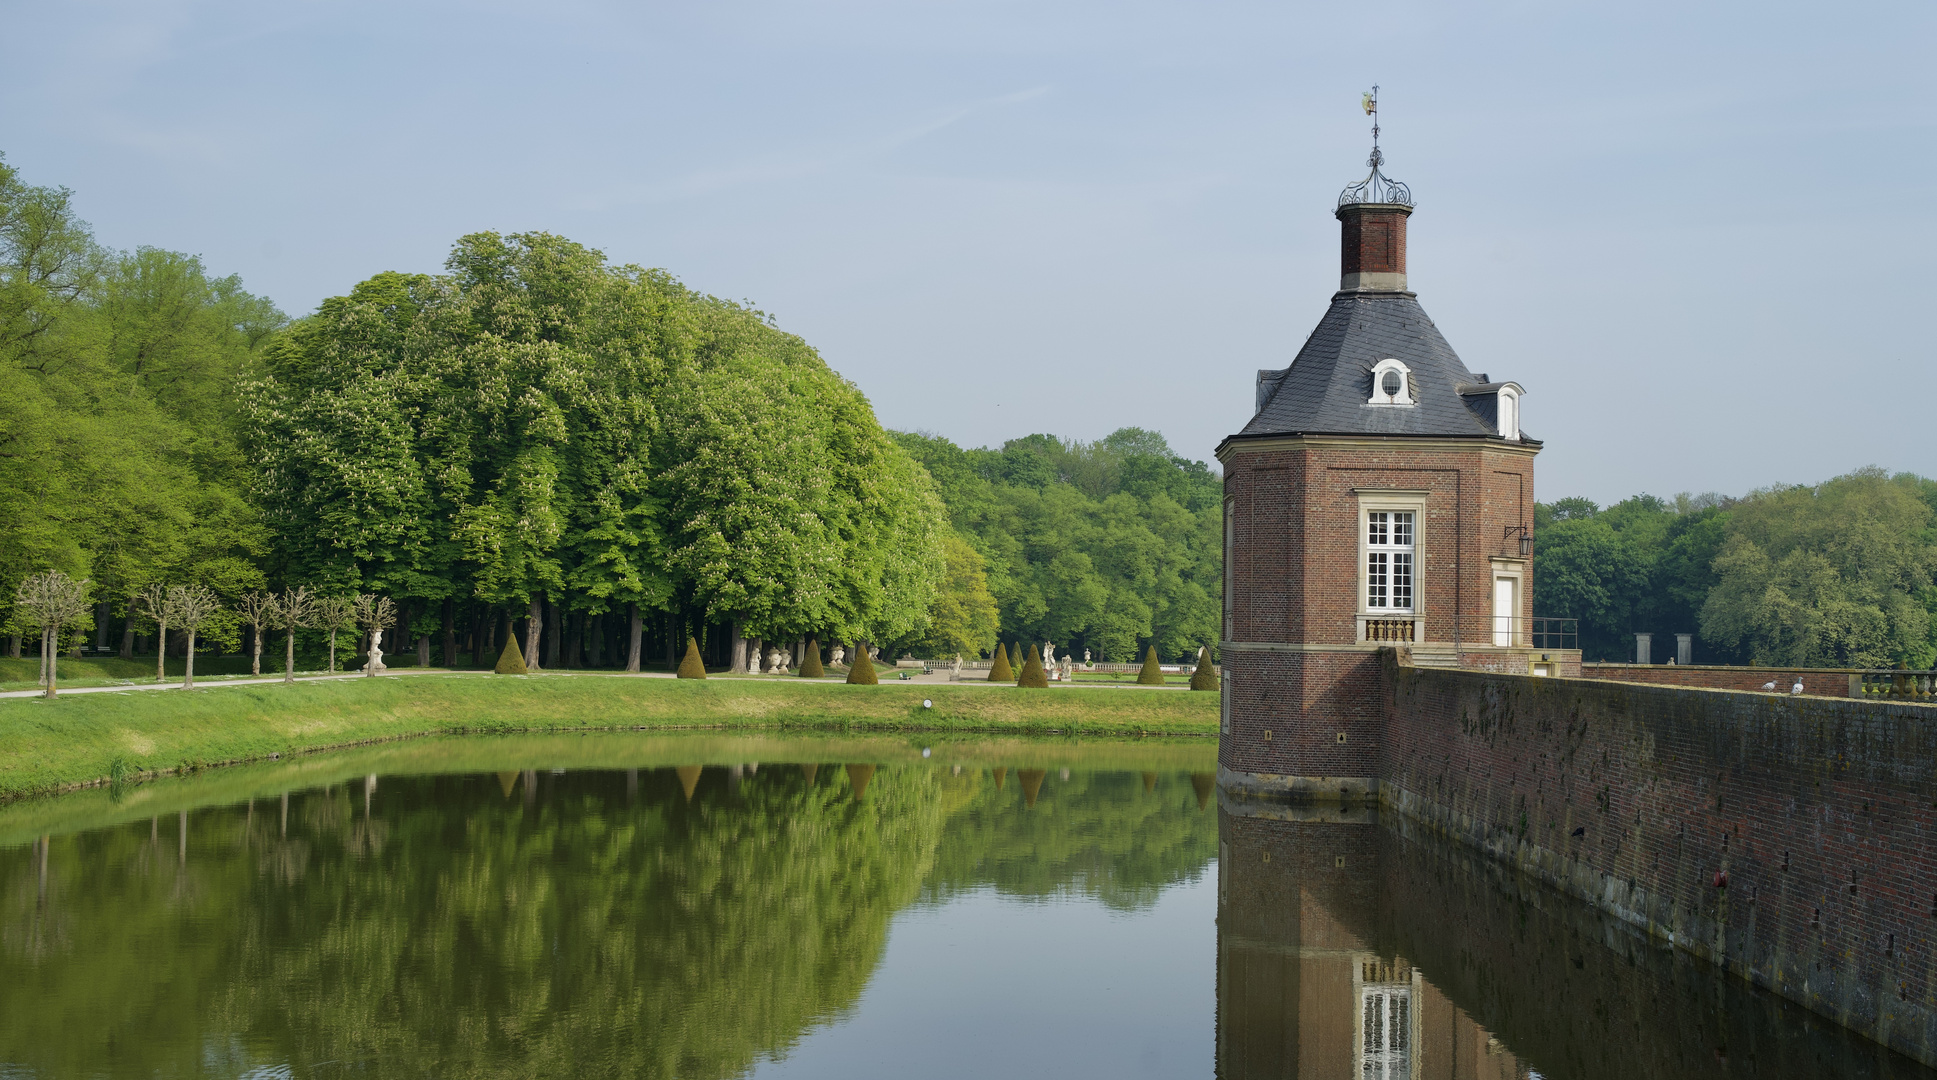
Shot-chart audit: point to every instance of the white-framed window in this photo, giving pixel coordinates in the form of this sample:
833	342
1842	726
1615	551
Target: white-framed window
1509	414
1391	384
1224	702
1389	564
1385	1035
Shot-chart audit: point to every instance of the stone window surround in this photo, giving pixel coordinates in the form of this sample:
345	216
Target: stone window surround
1388	499
1402	399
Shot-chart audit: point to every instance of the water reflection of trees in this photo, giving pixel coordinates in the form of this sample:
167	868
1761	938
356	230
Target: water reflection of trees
672	922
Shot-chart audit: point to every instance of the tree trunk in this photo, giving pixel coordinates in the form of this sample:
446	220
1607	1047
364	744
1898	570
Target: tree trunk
738	661
48	657
13	646
289	655
572	639
128	635
161	652
634	626
534	630
255	650
595	640
332	665
450	632
188	668
423	650
554	620
101	627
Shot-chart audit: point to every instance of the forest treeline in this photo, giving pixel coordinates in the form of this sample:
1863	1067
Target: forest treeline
1834	574
537	442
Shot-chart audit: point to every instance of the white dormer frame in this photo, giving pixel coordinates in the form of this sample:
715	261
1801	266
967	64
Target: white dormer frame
1506	411
1379	395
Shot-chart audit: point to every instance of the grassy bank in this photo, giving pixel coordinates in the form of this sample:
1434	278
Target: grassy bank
90	738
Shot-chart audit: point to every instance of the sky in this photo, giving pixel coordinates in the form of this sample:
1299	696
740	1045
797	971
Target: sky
1700	235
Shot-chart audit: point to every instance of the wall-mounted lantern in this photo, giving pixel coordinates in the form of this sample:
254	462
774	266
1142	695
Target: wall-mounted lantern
1526	538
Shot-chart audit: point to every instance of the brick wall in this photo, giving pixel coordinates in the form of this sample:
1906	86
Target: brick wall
1820	813
1817	682
1372	240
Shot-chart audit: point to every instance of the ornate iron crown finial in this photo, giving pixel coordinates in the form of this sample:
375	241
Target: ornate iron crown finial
1376	187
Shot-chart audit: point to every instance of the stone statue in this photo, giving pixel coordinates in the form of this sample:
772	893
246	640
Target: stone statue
374	665
1049	654
1069	669
776	661
837	655
1086	659
955	669
753	658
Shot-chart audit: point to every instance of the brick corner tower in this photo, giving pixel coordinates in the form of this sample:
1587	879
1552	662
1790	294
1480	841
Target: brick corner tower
1381	497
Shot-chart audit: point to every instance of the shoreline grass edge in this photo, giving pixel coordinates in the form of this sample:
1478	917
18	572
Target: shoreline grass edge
91	740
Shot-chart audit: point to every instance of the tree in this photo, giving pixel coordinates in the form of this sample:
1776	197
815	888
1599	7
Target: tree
152	602
295	608
1205	677
191	607
1032	671
50	600
691	666
1829	575
999	671
510	660
334	614
373	613
963	618
258	611
860	671
1152	673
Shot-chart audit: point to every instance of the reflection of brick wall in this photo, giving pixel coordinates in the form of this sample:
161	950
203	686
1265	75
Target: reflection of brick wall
1821	812
1817	682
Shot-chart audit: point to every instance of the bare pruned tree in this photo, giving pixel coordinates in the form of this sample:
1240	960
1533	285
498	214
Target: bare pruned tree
258	611
151	603
335	614
294	608
50	601
191	606
373	613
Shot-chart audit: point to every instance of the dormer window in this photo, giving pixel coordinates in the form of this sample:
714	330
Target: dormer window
1391	384
1509	413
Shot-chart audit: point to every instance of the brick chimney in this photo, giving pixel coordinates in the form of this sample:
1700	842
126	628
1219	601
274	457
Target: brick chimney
1372	250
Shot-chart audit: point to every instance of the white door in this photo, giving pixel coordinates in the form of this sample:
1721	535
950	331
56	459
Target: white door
1504	610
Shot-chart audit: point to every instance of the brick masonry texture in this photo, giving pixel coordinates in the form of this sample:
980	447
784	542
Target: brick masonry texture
1293	579
1372	241
1817	682
1817	813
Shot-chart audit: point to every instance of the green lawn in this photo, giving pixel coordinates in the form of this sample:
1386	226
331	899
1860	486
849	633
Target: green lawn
91	738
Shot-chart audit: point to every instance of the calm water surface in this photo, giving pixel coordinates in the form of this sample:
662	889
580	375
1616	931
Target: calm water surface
708	907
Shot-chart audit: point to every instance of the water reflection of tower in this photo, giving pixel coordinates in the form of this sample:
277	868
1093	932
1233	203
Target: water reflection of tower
1307	982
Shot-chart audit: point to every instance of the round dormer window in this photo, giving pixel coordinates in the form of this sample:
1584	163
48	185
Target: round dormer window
1391	384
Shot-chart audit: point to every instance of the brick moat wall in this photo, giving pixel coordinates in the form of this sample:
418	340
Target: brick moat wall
1816	682
1787	839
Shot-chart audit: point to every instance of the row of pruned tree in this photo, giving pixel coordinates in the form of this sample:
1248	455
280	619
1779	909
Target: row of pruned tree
58	606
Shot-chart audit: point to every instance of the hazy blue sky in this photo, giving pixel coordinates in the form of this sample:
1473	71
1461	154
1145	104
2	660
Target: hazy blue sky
1700	235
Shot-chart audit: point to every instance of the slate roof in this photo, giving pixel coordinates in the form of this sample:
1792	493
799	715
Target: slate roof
1324	391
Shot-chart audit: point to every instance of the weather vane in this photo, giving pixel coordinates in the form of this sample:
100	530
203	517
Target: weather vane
1376	187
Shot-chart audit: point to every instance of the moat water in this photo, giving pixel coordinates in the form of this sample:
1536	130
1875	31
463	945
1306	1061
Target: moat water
592	906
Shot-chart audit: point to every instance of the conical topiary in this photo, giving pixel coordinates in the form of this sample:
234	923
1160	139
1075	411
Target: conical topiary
691	666
810	665
861	671
1205	677
512	660
1152	674
1032	672
999	671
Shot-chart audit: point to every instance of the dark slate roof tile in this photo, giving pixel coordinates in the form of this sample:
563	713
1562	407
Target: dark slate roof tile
1324	391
